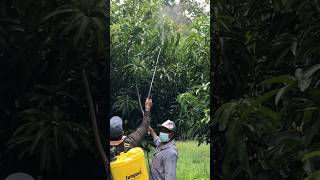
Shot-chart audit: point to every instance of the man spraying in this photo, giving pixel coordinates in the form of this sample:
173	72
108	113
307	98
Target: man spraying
121	143
165	158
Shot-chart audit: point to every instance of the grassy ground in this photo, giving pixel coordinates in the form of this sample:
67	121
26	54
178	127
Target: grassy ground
193	161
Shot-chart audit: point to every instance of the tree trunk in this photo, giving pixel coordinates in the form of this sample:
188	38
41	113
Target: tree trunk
94	125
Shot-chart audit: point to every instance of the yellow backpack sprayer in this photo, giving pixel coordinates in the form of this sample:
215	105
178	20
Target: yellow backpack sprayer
129	165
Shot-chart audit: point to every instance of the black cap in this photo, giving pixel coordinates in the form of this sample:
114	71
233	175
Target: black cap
116	128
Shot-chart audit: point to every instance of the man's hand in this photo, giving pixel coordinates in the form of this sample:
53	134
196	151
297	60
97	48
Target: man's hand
148	104
151	131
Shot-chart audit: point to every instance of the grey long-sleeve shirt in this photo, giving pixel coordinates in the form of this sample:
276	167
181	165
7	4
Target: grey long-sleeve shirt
164	162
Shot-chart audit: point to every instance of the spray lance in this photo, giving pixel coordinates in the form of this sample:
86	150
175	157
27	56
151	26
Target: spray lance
155	67
154	73
150	88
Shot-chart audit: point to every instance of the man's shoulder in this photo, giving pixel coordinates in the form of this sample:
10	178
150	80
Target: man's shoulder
172	151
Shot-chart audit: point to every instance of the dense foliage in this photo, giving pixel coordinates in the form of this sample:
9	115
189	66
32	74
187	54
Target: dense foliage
181	86
45	128
267	88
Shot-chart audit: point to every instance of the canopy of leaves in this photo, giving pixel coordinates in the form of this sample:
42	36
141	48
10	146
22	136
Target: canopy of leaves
266	86
45	128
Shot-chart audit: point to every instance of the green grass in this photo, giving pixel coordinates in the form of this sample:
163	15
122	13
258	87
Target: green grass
193	160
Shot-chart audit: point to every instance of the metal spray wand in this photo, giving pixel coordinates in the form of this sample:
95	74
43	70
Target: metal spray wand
154	73
155	68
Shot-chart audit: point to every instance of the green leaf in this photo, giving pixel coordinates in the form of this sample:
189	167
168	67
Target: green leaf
294	48
309	72
283	91
72	141
22	128
304	79
16	141
225	21
251	7
72	24
313	93
244	158
310	155
24	152
44	157
278	5
269	112
177	41
314	176
304	84
279	79
84	24
56	137
57	12
307	115
34	114
282	55
258	102
224	113
39	136
311	132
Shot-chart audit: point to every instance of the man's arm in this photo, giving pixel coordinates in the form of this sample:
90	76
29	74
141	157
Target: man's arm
156	139
170	165
135	138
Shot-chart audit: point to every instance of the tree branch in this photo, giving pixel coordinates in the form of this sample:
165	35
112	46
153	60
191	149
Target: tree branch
139	100
94	123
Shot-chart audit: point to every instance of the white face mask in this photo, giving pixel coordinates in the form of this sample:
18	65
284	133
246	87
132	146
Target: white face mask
164	137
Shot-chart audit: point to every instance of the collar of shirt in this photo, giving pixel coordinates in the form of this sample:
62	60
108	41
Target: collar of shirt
167	145
115	143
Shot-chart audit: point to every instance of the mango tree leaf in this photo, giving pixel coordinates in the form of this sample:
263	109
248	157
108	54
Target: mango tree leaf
312	131
279	79
314	176
304	79
283	91
311	155
309	72
294	48
304	84
37	139
269	112
57	12
244	158
223	117
258	102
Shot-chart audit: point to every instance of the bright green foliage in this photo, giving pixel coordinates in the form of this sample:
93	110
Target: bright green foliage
138	31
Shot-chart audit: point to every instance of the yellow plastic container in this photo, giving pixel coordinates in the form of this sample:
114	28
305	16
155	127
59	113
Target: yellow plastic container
130	165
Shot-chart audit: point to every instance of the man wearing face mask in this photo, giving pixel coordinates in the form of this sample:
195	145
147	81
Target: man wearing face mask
165	158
